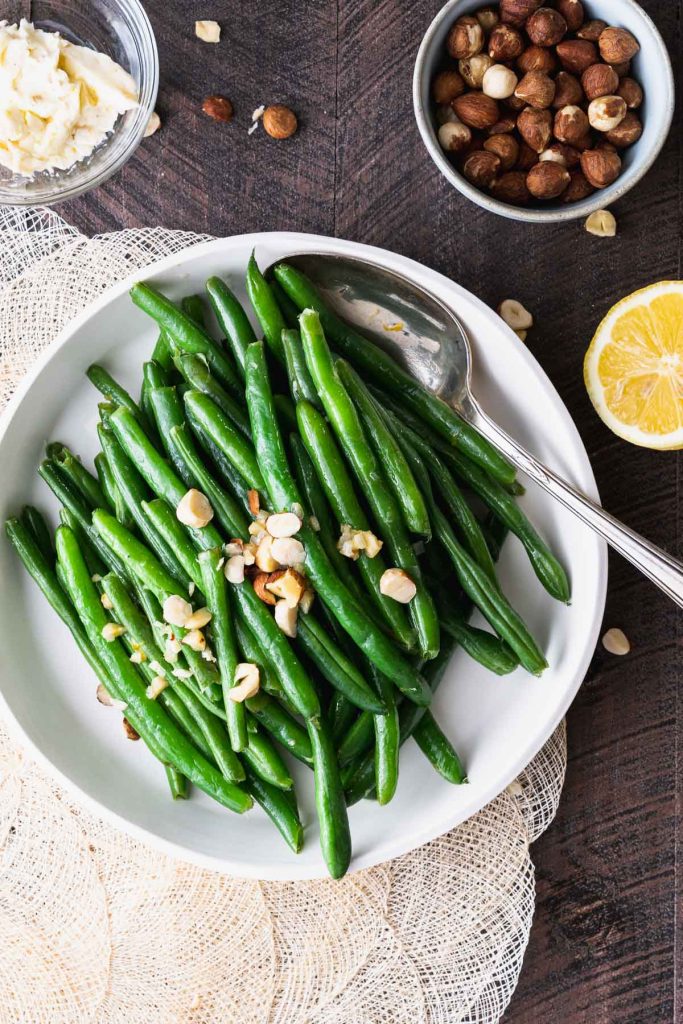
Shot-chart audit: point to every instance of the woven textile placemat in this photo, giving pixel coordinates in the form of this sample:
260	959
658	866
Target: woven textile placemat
97	927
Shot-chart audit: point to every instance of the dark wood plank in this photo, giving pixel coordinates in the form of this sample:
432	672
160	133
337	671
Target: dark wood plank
604	946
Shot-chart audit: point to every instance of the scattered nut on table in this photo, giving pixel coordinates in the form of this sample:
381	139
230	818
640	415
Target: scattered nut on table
515	315
279	122
616	642
153	125
218	107
602	223
207	31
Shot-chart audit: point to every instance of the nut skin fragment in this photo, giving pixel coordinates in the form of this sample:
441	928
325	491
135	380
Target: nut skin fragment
279	121
194	509
219	108
447	86
616	642
515	315
259	583
547	180
397	584
254	502
617	45
602	223
129	731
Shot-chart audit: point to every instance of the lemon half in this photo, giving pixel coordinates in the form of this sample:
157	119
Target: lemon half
634	367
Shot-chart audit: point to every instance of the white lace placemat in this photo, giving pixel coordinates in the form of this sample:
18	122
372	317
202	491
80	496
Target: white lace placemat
96	927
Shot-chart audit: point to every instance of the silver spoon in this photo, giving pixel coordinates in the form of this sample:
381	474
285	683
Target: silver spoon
434	347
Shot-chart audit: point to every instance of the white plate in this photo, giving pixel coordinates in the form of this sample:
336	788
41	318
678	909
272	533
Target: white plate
497	724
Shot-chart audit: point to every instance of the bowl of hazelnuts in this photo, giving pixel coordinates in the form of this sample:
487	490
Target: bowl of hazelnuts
543	110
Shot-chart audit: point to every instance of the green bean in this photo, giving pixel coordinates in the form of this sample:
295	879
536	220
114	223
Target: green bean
226	507
280	724
145	715
162	353
349	432
185	334
287	307
283	494
335	837
167	409
177	783
439	750
496	533
154	375
336	482
233	321
358	739
223	633
166	524
489	650
137	560
301	383
83	479
264	761
279	807
134	491
378	366
193	307
198	377
266	308
203	411
96	566
388	452
386	740
113	498
34	521
111	389
333	664
223	468
342	713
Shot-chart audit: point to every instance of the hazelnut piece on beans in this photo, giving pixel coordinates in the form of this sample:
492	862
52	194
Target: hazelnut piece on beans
571	125
499	82
536	58
578	188
601	166
568	91
473	69
537	89
547	180
505	44
446	86
454	136
599	80
577	54
605	113
631	92
511	188
482	168
516	12
627	131
617	45
506	147
466	38
476	110
592	30
546	27
573	13
535	127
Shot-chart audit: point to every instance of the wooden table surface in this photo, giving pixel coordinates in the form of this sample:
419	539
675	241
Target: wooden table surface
605	942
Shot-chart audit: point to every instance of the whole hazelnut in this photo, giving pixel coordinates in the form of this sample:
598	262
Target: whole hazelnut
622	69
499	82
578	188
577	54
507	123
511	188
513	104
601	166
446	86
546	27
605	113
279	122
476	110
466	38
527	157
631	92
474	146
218	107
617	45
505	44
571	125
560	153
488	18
536	58
599	80
506	147
535	127
547	180
592	30
573	13
516	12
445	113
482	168
454	136
568	91
627	131
537	89
473	69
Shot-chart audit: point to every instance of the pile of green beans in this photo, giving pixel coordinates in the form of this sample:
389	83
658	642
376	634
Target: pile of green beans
319	422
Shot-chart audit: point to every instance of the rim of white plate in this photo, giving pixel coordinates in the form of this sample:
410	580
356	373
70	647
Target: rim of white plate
303	242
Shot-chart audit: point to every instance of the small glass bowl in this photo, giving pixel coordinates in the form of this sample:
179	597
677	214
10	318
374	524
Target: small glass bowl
121	29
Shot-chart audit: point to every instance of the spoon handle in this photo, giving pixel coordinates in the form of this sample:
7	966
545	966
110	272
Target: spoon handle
659	566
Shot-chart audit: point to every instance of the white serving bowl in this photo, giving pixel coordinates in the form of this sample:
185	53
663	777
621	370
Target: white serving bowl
651	67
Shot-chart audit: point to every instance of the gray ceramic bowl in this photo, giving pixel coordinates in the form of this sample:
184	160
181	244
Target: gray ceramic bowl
651	67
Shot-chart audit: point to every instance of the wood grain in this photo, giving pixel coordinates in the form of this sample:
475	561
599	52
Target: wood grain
606	940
